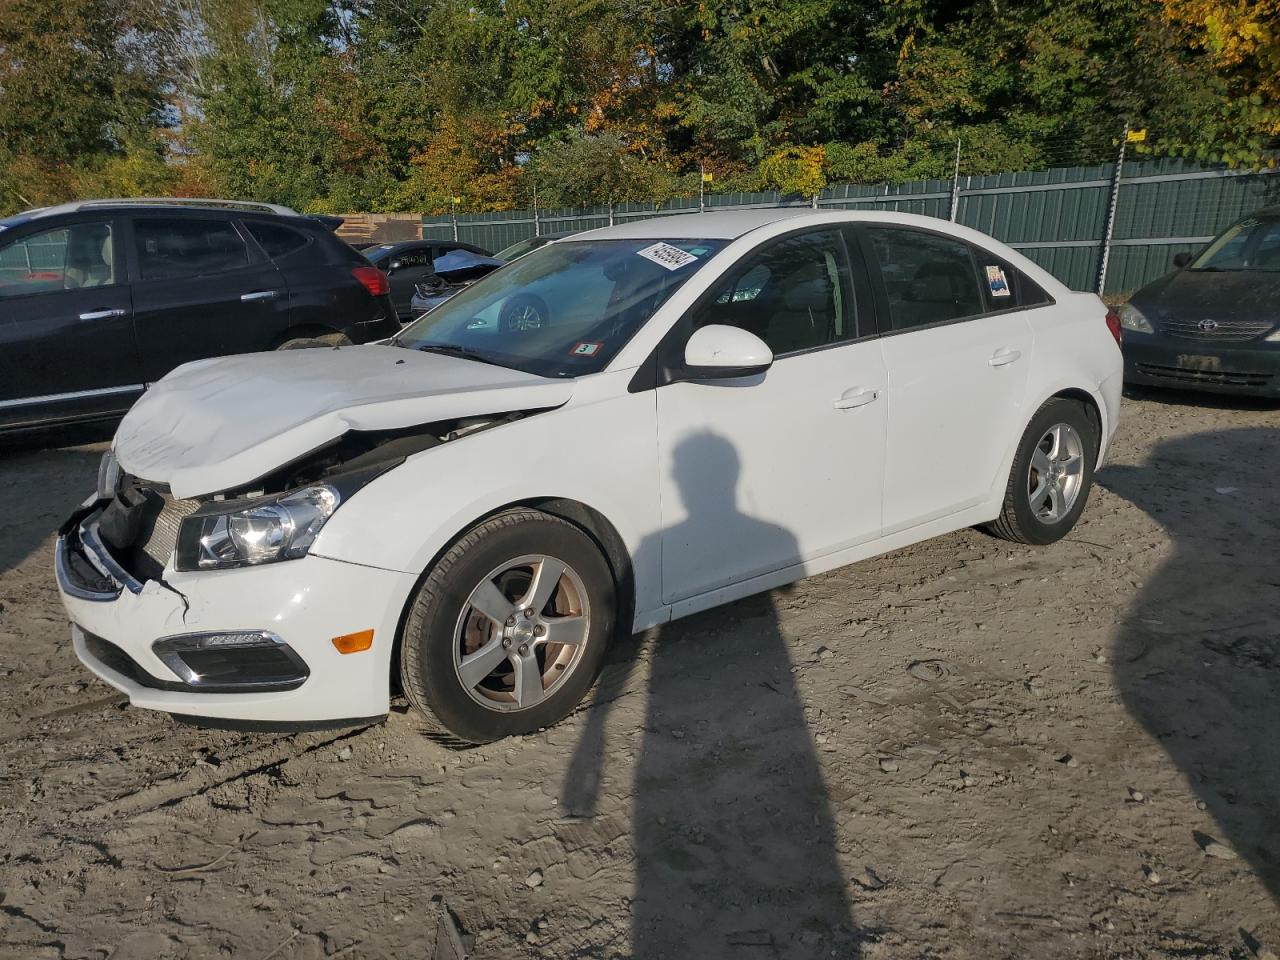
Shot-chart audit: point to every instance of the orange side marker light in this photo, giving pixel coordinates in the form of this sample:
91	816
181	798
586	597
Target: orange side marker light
354	642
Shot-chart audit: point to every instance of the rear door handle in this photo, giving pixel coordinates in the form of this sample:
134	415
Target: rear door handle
102	314
857	397
1004	355
260	295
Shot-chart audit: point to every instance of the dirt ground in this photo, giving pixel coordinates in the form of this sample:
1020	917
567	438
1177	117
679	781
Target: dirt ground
965	749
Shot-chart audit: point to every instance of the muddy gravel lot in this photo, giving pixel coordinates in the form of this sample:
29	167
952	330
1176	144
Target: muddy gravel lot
964	749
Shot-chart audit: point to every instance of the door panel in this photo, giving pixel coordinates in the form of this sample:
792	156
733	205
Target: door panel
957	377
66	337
200	293
760	473
765	472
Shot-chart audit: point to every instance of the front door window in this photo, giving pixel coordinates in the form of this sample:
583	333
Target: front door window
66	258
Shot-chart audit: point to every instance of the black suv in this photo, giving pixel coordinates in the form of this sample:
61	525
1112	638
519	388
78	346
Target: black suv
100	298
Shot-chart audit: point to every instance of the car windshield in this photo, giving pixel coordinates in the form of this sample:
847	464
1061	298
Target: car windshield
520	248
1252	244
565	309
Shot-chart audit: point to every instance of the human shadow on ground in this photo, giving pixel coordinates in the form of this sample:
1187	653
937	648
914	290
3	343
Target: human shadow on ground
734	838
1198	661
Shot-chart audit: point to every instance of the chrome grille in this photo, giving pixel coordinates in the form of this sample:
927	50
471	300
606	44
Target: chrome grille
1227	331
159	540
159	517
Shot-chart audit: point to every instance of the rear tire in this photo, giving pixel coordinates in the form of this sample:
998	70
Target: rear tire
1051	476
474	646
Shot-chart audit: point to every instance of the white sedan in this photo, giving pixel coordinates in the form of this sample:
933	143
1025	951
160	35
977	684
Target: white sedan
616	430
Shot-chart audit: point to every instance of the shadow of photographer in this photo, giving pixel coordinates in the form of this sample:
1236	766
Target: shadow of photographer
735	842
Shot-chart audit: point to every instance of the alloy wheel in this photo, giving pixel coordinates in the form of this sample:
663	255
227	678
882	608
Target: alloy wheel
1056	474
521	633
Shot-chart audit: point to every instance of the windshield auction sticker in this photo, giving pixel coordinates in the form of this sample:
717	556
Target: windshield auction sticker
665	255
587	348
996	281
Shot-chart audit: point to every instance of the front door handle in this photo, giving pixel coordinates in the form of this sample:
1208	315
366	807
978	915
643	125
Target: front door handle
857	397
259	295
1004	355
102	314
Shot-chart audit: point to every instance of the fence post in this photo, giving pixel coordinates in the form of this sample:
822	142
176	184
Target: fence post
1111	212
453	215
702	185
537	227
611	213
955	184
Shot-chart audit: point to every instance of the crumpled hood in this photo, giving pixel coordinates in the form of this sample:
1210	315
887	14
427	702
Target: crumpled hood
214	425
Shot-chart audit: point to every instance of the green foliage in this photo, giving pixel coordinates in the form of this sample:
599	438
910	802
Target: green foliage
384	105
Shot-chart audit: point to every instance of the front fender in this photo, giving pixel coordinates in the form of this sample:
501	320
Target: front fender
598	452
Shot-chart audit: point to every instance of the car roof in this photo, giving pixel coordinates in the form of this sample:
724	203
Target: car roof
184	204
732	224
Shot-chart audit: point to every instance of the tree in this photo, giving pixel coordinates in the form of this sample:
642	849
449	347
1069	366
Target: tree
80	85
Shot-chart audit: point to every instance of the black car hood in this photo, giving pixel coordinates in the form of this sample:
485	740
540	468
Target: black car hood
1195	295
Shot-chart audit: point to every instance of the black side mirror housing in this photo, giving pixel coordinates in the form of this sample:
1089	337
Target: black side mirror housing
394	265
1180	260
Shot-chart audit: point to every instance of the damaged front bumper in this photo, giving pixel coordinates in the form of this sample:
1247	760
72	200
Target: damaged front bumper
1249	369
251	645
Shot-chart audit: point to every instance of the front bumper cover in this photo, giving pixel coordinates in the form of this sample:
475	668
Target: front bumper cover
117	619
1251	368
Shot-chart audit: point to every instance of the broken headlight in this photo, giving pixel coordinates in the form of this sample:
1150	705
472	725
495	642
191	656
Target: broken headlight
242	533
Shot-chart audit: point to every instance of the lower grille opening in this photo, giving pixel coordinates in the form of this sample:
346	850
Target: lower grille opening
113	658
1189	375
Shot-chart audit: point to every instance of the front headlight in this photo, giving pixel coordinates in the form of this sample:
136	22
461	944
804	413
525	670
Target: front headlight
241	533
1131	318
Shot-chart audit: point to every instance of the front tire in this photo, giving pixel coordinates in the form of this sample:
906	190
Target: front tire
508	631
1051	476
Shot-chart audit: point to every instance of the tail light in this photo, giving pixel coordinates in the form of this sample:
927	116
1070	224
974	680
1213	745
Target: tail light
1113	324
373	280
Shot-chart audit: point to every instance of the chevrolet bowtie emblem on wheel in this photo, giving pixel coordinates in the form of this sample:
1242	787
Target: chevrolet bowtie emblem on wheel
1208	325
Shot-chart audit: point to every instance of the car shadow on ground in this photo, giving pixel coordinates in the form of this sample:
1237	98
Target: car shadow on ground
734	838
1198	660
1197	398
40	484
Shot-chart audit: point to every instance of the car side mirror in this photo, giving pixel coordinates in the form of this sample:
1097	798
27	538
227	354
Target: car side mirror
1180	260
719	352
394	266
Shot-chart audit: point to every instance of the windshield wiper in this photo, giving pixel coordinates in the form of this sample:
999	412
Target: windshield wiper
453	350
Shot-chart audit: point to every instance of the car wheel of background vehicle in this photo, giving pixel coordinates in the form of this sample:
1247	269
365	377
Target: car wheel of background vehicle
1051	475
324	340
523	312
509	629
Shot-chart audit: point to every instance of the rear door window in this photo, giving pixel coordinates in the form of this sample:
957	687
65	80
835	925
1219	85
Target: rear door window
66	258
171	247
928	278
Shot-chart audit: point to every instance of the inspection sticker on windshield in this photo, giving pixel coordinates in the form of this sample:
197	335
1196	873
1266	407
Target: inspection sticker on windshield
587	348
996	281
665	255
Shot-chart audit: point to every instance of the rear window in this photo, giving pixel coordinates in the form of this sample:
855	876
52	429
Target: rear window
276	239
